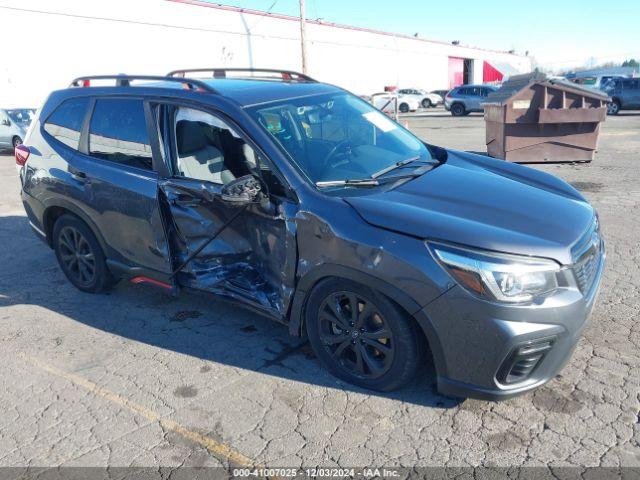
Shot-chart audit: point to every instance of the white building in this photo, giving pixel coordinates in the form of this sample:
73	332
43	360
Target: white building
46	44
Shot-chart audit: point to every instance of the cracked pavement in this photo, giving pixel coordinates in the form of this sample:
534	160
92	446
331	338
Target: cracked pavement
226	375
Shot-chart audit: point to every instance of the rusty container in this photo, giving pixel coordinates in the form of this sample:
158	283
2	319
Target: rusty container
533	119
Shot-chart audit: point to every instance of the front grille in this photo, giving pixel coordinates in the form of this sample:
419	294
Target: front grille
586	270
588	253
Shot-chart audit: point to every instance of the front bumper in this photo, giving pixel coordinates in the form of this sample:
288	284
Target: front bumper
472	341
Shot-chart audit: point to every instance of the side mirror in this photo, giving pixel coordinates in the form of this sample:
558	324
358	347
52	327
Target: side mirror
241	191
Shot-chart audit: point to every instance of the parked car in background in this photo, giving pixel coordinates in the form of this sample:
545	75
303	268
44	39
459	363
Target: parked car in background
310	206
467	98
385	101
424	98
624	93
440	93
598	82
14	123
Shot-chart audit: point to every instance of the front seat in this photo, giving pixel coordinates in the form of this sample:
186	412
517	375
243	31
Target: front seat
198	156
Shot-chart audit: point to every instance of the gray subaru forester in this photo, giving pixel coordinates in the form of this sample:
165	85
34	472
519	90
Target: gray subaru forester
304	203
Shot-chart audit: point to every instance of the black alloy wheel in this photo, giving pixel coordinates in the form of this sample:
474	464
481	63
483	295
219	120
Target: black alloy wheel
80	256
361	336
356	335
76	255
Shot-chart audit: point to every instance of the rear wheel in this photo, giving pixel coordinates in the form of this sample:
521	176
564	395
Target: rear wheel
426	103
80	256
457	110
16	141
361	336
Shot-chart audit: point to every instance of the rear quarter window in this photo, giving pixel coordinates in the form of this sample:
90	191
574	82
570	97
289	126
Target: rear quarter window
65	123
118	133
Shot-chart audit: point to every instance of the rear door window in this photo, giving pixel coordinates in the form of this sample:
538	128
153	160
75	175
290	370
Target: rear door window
65	123
118	132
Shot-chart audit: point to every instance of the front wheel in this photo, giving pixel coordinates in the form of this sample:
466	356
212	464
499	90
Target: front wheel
457	110
404	108
361	336
613	108
426	103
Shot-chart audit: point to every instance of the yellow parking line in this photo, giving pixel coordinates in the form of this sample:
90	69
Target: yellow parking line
216	448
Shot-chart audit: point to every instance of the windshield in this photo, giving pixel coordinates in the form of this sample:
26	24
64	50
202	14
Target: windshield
338	136
21	115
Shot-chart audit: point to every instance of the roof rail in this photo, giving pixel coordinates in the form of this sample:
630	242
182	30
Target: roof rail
287	75
125	81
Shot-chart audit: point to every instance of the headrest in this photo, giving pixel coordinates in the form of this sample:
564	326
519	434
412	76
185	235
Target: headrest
191	137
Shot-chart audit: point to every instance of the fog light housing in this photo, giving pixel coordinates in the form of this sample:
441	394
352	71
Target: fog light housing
523	360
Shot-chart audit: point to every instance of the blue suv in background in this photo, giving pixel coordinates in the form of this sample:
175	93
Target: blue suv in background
467	98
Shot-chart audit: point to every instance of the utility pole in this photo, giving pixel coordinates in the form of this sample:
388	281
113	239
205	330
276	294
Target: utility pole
303	21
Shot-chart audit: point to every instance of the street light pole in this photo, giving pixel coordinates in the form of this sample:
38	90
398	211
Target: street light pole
303	21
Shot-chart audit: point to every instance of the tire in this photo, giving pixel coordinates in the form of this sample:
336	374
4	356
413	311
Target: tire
426	103
16	141
362	355
613	108
80	256
458	110
404	108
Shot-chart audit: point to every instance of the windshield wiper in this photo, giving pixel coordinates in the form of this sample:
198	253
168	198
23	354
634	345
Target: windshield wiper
396	165
356	182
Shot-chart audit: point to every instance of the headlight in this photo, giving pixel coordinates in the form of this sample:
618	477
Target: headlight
493	276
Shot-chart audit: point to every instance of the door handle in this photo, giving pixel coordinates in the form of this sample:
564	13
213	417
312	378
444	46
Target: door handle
186	201
78	175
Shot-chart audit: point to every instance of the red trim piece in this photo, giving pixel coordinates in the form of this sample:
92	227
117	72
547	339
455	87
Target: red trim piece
21	153
151	281
281	16
491	73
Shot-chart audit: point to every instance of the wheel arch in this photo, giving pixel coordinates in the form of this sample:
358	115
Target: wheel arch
308	282
59	207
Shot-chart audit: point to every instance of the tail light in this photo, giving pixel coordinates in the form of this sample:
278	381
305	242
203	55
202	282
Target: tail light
22	155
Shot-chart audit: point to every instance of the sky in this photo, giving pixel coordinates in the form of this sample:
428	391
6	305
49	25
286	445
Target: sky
558	34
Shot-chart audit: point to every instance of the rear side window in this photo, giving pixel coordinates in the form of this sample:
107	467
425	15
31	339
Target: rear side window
65	123
118	133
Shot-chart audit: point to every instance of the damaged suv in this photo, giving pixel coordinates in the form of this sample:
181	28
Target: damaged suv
303	202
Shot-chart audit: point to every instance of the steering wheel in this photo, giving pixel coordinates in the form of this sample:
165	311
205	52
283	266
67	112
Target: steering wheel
326	162
332	153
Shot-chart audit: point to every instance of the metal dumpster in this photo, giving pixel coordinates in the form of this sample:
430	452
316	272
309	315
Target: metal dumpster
535	119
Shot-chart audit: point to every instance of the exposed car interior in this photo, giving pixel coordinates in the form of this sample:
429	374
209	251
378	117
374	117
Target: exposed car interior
207	149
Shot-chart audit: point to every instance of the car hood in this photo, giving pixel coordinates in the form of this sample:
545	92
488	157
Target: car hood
485	203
